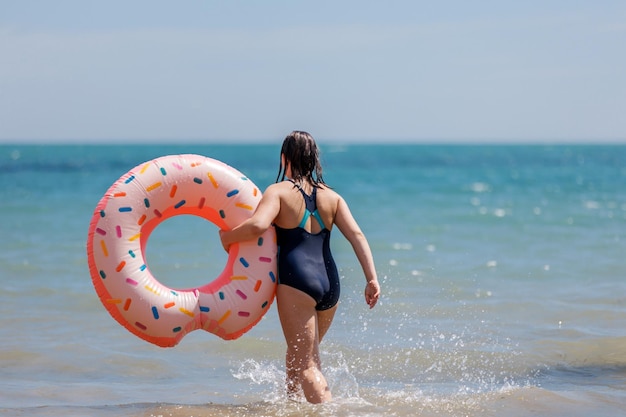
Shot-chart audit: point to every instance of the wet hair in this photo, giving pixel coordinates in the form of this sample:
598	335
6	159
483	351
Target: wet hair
300	150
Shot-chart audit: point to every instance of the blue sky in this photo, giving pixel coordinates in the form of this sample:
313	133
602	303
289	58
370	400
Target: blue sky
459	71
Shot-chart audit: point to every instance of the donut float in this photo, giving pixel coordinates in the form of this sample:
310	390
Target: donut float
227	306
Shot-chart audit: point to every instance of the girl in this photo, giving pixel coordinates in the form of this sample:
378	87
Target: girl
303	209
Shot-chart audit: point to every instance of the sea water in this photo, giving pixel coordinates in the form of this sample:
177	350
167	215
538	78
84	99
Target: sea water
502	268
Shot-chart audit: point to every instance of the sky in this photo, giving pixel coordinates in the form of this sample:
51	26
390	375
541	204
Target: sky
353	71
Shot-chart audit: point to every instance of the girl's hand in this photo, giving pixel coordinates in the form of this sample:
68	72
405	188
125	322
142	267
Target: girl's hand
372	293
226	246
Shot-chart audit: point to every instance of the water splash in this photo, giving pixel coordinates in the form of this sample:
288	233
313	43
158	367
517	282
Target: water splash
271	377
342	381
266	375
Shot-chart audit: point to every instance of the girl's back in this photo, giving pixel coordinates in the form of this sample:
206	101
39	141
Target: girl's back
292	206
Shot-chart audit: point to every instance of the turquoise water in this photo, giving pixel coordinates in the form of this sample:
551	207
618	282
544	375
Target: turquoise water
502	269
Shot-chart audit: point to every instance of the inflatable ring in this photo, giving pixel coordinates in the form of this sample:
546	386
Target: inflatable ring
139	201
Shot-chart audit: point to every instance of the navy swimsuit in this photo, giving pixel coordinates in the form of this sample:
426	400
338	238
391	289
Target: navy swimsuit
304	259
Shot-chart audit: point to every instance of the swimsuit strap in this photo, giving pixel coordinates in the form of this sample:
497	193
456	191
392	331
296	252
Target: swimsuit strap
311	208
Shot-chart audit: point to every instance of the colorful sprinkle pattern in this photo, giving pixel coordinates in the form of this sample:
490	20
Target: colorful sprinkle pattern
146	196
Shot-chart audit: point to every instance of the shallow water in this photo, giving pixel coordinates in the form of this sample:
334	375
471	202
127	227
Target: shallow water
502	269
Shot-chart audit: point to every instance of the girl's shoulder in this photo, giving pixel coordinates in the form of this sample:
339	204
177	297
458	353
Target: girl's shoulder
325	193
326	189
280	187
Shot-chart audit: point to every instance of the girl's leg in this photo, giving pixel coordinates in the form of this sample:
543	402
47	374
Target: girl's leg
324	320
299	320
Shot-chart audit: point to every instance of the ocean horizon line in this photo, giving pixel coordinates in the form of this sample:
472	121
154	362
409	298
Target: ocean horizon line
322	141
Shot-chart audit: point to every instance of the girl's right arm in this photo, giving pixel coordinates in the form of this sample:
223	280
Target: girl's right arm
255	226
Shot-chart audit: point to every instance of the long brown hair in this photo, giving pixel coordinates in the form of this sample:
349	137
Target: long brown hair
300	150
